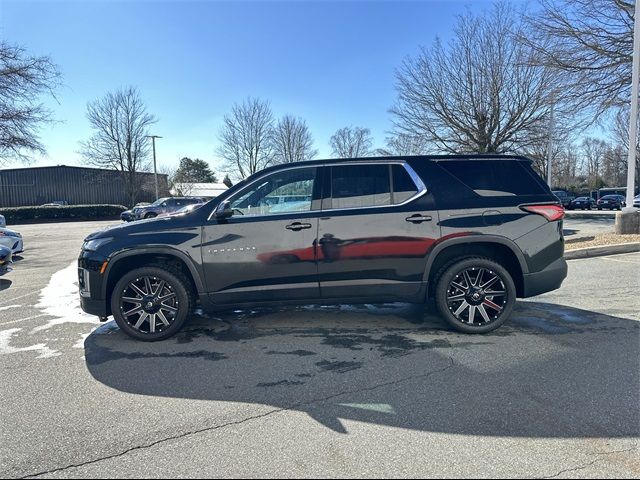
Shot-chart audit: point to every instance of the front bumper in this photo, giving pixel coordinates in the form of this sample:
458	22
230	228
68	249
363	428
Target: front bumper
91	284
549	279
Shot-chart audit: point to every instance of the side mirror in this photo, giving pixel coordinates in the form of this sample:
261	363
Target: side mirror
224	210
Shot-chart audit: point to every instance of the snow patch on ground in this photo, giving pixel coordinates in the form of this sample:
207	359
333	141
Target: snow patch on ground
6	349
60	299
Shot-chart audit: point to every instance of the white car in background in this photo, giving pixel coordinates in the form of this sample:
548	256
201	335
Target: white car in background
12	240
3	222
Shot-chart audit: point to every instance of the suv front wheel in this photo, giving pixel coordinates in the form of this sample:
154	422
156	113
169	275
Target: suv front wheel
152	303
475	295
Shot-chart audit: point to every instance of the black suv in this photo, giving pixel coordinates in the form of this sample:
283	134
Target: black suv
471	232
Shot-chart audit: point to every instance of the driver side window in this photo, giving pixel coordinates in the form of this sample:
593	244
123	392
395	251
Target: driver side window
282	192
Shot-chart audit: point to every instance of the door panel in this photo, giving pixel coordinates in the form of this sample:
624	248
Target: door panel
266	251
371	241
247	261
375	254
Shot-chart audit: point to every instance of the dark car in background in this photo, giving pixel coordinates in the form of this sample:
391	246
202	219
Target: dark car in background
582	203
164	206
5	260
473	233
128	215
564	197
612	202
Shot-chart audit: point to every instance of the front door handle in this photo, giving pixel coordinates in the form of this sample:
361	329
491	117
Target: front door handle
297	226
417	218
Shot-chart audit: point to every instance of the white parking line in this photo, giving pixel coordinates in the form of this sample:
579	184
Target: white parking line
23	319
19	297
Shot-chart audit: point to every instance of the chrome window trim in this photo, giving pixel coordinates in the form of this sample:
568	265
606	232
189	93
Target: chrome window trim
422	189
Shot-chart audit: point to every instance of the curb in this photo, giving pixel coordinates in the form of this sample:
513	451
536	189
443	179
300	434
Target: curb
602	251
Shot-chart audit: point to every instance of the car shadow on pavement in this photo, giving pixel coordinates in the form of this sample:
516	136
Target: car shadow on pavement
553	371
5	284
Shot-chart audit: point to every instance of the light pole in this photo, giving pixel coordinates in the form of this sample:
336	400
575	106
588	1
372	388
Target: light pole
633	120
550	145
628	220
155	167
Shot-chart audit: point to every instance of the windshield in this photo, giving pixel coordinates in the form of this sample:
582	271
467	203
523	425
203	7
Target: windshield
158	202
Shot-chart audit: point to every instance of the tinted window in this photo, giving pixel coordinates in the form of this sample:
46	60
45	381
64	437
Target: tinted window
495	177
282	192
403	186
355	186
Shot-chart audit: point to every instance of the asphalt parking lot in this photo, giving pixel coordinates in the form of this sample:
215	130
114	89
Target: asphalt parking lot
351	391
578	223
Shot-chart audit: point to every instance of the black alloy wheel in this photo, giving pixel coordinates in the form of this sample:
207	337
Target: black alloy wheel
475	295
151	303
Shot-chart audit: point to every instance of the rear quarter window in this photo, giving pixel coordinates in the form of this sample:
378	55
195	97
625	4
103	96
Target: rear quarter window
496	178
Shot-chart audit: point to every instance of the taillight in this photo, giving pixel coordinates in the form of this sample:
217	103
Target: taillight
550	212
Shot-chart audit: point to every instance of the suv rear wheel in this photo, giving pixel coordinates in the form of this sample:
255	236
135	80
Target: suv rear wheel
475	295
152	303
150	215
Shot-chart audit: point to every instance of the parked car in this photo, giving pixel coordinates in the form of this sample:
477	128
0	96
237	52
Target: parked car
129	215
183	210
12	240
471	232
56	203
165	205
5	260
612	202
582	203
3	221
636	201
564	197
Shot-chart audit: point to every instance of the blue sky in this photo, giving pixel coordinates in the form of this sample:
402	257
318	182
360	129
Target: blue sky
330	62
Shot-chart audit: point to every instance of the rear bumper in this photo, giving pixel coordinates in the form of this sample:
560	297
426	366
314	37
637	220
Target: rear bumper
549	279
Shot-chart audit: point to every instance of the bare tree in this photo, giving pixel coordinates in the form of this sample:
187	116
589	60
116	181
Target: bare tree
593	154
480	93
620	135
591	42
351	142
403	144
121	124
292	141
23	79
245	138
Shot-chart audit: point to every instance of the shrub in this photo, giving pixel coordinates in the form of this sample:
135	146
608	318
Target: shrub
16	215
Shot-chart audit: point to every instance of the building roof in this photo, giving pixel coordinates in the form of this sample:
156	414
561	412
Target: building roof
76	167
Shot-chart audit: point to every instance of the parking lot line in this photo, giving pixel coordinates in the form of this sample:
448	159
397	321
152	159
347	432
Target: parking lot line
10	300
23	319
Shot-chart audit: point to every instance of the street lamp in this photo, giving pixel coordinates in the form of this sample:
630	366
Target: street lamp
633	121
155	167
628	220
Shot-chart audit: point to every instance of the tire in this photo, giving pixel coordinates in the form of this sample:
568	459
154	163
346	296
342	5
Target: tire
150	215
497	308
167	316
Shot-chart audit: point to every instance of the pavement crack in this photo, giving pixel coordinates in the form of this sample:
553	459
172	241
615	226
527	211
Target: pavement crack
240	422
587	465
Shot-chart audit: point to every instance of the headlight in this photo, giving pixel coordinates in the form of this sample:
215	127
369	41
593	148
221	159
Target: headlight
93	245
10	233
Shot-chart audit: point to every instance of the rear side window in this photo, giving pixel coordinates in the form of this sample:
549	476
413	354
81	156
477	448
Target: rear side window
356	186
494	178
403	186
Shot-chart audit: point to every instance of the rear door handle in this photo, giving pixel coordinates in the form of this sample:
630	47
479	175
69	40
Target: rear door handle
296	226
417	218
